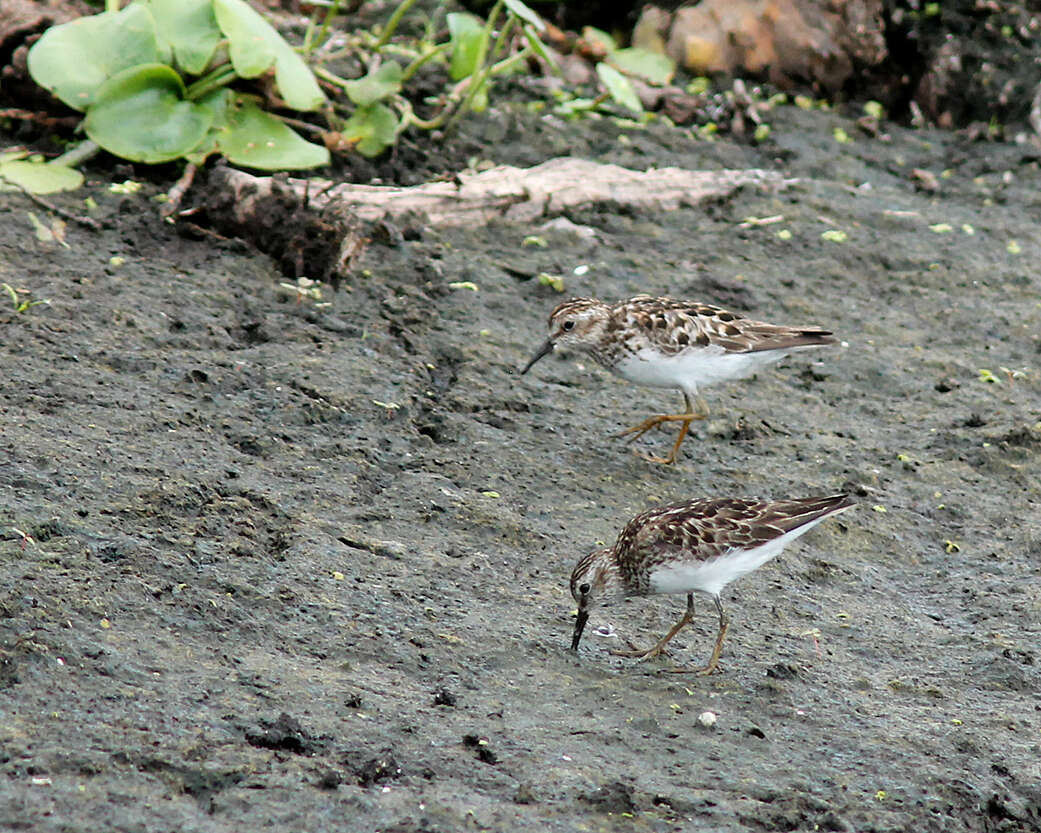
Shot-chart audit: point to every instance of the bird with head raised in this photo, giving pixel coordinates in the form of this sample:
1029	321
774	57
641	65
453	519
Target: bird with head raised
666	343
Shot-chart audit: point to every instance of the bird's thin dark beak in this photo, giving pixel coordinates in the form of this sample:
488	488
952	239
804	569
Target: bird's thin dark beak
580	623
543	350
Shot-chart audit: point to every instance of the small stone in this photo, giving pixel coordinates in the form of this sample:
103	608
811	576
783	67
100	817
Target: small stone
330	779
444	697
524	795
783	671
707	719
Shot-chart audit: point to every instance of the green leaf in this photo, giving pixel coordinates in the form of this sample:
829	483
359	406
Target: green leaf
554	281
466	34
535	42
204	150
619	87
217	103
649	66
575	106
74	59
189	29
255	139
254	46
140	114
381	83
41	177
250	38
375	128
525	14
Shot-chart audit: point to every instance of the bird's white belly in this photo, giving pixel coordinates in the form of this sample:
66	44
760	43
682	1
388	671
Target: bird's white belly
694	368
712	576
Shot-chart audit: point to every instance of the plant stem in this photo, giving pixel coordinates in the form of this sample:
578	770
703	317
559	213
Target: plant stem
409	117
111	5
430	29
355	42
480	77
306	47
489	27
331	12
325	75
307	127
413	67
507	64
77	155
395	19
220	77
500	41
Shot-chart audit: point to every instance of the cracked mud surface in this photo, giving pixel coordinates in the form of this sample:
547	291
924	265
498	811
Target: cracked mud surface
296	567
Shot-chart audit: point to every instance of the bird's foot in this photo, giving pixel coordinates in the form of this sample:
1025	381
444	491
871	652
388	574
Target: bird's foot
638	431
651	422
651	458
650	653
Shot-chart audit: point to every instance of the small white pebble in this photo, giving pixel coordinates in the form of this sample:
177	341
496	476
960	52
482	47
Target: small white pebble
707	719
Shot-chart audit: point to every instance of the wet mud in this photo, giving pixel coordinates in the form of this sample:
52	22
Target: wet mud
273	563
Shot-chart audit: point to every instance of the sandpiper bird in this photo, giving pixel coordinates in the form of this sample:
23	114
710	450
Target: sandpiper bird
698	546
666	343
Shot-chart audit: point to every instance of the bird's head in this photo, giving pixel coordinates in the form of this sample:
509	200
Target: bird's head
578	323
594	581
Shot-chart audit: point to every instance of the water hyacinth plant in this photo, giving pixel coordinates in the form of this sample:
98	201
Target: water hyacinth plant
154	82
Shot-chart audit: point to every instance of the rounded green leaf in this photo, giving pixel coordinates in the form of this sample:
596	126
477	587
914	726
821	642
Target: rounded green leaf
381	83
251	40
189	29
374	128
256	139
217	102
254	45
619	88
41	177
140	114
650	66
74	59
466	33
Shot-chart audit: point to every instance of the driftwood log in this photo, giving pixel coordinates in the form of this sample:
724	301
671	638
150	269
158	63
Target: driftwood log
317	227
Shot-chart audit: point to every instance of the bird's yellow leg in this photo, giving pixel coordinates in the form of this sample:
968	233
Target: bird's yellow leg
686	418
724	624
660	647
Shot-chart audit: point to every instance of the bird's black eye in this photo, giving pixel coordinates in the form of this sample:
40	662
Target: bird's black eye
568	325
583	589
